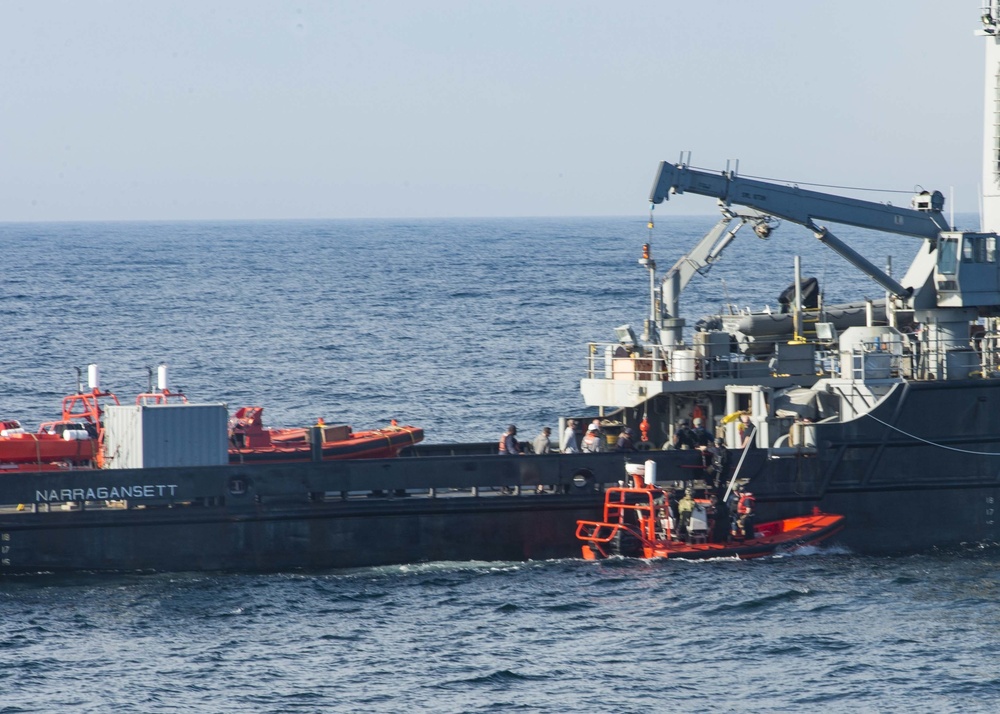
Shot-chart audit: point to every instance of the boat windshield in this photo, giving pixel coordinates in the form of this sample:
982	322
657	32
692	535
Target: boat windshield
947	256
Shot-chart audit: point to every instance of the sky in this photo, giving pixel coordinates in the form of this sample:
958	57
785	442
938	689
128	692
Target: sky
124	110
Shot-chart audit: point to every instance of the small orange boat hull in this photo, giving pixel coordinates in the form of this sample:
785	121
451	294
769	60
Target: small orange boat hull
375	444
635	524
250	442
769	539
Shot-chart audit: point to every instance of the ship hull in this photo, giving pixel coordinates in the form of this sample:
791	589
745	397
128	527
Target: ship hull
927	480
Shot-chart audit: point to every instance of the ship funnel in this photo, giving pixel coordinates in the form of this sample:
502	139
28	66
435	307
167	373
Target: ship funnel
161	378
94	377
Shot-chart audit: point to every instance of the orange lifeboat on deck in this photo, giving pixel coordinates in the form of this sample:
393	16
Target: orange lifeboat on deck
250	441
63	441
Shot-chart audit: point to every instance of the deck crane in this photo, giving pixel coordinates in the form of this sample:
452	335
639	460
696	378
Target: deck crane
954	278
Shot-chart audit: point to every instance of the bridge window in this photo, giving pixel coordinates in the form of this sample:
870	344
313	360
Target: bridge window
947	256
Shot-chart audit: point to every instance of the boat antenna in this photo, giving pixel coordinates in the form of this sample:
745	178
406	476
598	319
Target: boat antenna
79	380
149	379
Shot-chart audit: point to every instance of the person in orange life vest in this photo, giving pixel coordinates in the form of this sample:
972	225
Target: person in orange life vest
593	442
508	442
745	512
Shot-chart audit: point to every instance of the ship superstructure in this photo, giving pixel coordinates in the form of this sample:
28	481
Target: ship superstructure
812	363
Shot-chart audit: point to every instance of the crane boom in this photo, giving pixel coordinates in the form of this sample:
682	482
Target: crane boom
802	206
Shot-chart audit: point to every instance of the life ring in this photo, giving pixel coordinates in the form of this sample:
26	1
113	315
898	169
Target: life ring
583	480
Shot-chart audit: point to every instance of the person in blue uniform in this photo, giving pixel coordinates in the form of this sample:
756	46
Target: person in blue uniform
720	462
682	438
508	443
722	525
625	440
700	435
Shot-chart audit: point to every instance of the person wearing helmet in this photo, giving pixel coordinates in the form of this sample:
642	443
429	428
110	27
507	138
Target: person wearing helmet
720	463
625	440
684	508
593	442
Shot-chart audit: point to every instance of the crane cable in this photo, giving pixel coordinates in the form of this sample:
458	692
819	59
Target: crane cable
931	443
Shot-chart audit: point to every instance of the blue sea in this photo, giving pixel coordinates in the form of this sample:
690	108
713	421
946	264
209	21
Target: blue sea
459	326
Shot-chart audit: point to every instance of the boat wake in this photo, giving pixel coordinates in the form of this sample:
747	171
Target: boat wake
810	550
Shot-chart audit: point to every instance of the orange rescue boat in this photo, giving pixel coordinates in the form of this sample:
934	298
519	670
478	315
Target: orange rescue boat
637	523
250	441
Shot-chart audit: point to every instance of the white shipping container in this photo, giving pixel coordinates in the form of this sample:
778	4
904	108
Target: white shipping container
165	435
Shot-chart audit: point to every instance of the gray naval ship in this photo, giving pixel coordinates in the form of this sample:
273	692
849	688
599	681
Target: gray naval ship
887	412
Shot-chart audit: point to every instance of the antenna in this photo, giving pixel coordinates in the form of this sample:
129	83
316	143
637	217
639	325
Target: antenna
979	191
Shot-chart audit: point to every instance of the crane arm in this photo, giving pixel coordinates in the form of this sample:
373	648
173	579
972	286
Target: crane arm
802	206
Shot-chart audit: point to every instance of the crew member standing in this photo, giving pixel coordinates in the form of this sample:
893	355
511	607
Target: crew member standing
720	462
625	442
744	513
541	444
569	443
744	430
593	442
700	434
684	508
508	442
682	438
722	525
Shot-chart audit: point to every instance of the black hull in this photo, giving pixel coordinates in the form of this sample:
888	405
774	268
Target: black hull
899	494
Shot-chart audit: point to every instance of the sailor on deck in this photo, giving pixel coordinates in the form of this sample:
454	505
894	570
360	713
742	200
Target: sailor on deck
700	435
569	444
744	512
541	444
508	443
684	508
593	442
744	429
720	462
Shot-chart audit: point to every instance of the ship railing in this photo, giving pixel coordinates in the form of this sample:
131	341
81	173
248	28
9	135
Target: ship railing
612	361
937	359
873	359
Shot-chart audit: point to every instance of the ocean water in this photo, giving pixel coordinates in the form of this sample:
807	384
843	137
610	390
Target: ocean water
460	327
